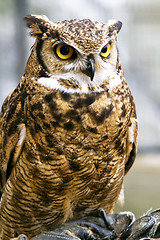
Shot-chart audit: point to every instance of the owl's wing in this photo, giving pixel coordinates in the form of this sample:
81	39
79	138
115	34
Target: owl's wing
131	139
11	127
131	149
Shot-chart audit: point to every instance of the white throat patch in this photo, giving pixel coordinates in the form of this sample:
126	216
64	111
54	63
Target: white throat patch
80	79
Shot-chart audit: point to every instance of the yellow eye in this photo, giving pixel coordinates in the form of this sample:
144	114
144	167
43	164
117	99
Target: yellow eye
64	52
106	50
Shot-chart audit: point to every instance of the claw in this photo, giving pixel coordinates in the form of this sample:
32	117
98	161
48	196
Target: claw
117	222
143	227
20	237
106	220
146	227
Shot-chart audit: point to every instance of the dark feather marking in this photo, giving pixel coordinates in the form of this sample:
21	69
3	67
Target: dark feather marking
66	179
13	127
31	20
49	97
39	57
105	137
11	112
119	146
41	115
131	159
115	27
55	34
123	110
104	114
74	165
73	114
55	124
43	28
93	130
56	116
46	126
65	96
1	191
10	164
50	140
53	106
59	151
42	73
37	127
69	126
90	99
80	102
37	106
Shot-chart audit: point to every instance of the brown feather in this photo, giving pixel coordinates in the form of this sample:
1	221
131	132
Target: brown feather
64	153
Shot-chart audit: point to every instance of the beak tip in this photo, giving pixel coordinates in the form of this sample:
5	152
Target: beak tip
92	77
90	70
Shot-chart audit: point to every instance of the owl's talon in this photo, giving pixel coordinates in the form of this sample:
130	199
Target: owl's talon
106	220
99	231
93	228
118	222
146	227
76	230
20	237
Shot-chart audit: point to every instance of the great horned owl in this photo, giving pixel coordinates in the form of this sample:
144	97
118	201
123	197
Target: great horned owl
68	132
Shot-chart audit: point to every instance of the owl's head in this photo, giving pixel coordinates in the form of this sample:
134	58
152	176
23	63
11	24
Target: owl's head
75	55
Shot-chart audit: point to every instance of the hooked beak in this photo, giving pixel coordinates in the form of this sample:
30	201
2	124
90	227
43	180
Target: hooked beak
89	71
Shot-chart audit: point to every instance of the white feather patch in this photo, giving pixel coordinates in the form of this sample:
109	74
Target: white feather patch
114	82
121	197
131	133
103	76
22	135
20	142
52	82
132	129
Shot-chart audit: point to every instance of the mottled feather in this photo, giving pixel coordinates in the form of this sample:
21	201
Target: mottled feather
66	139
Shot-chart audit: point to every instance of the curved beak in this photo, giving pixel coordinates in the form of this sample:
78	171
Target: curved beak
90	70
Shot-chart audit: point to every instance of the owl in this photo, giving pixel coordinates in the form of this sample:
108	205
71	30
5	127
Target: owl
68	132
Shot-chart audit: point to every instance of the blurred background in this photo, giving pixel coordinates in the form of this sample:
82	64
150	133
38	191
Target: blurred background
139	46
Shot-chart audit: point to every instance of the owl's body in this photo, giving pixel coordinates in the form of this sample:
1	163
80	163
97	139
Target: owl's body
68	131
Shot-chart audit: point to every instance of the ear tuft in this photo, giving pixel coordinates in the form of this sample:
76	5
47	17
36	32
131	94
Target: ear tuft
38	24
114	26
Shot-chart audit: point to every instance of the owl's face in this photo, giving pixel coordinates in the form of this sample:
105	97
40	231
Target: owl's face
76	55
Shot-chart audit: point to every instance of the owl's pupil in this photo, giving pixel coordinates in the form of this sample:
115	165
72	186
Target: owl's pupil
64	50
104	49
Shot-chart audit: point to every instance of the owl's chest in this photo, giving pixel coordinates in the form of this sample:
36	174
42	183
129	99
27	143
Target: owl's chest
80	139
76	124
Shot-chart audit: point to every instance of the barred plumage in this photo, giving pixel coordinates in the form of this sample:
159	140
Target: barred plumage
66	142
